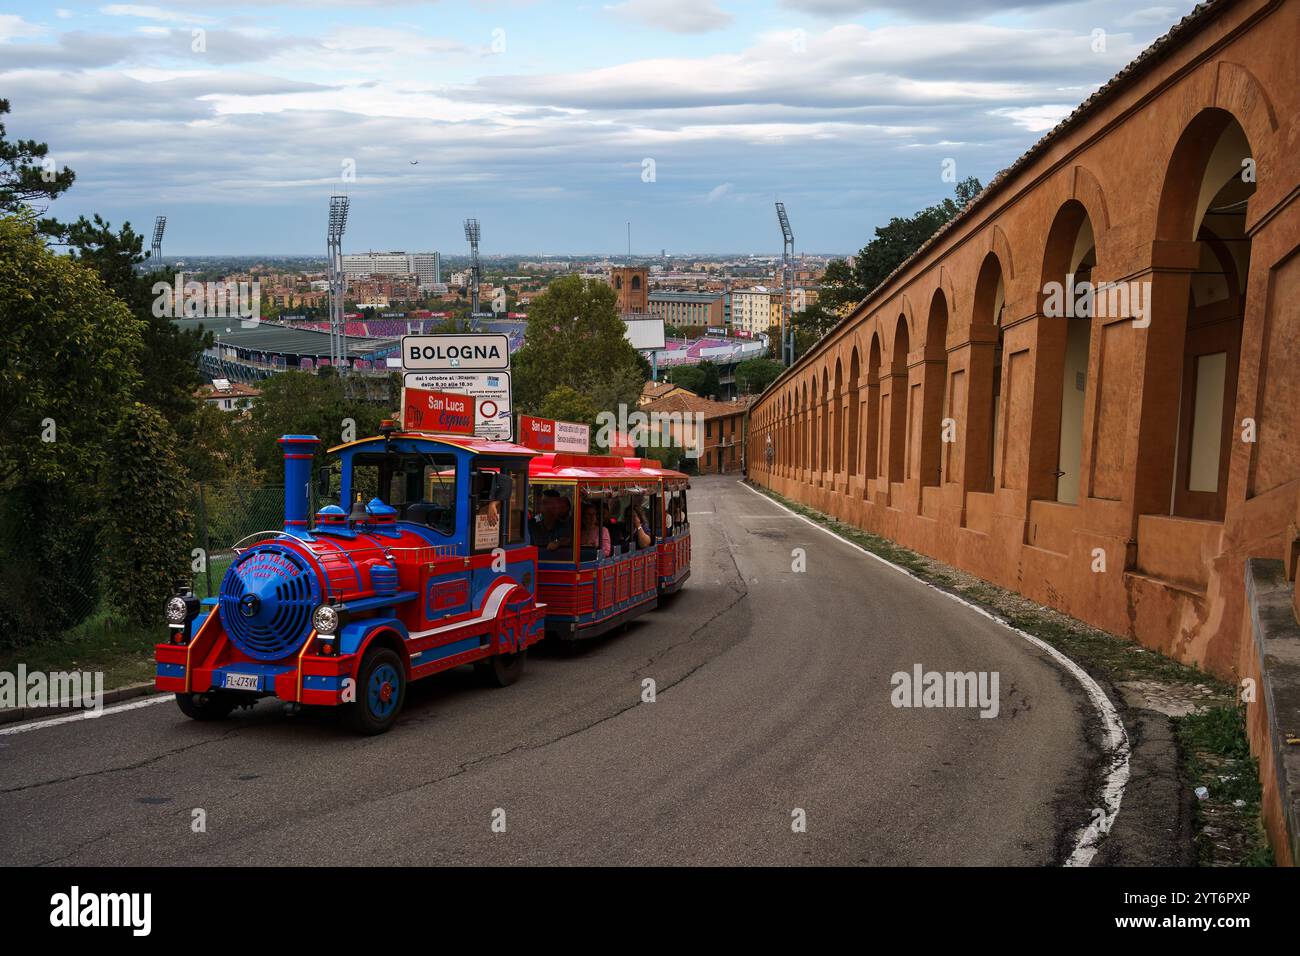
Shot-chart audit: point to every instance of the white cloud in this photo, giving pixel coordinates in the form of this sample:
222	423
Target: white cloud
717	192
152	13
1149	16
12	26
1036	119
675	16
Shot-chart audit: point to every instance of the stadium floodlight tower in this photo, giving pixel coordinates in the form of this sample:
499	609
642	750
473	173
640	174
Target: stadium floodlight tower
475	270
155	250
787	264
338	222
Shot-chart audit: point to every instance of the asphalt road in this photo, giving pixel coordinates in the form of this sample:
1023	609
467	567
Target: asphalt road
773	692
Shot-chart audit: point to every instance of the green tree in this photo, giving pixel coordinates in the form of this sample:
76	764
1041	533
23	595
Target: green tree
295	403
702	379
566	404
842	288
170	376
71	352
839	288
147	537
898	239
755	375
575	338
27	174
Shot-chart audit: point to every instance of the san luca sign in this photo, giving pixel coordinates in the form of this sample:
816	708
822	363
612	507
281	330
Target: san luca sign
429	353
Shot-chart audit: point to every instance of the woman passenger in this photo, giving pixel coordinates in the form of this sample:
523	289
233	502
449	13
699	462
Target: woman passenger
593	535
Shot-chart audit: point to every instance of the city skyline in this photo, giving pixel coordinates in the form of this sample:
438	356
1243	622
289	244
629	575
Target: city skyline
687	119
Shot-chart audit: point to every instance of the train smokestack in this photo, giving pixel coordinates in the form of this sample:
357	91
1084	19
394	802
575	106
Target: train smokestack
298	453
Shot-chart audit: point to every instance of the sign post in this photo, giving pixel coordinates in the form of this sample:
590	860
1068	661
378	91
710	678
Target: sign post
545	434
474	367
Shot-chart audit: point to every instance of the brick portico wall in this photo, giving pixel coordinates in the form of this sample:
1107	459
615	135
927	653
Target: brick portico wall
933	414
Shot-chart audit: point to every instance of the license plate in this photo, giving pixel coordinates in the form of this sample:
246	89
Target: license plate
241	682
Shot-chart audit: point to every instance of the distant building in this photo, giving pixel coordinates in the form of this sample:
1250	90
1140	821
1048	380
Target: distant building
653	391
425	266
688	309
754	310
723	437
227	395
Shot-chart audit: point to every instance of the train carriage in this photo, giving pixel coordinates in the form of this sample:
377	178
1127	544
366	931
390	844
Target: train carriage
429	568
674	544
612	538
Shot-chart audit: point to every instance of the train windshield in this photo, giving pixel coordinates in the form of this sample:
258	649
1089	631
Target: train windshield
421	486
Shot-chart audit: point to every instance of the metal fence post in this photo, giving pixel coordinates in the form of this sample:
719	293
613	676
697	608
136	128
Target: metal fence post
207	550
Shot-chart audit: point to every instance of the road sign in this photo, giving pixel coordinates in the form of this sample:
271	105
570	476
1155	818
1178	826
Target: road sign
547	435
421	353
490	391
441	412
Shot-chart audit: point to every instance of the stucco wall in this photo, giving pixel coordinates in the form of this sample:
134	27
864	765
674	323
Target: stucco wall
858	424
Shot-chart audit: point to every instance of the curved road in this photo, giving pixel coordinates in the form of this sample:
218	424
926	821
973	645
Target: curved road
773	695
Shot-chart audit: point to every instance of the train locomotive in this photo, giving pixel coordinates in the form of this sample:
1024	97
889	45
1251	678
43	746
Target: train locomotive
433	565
429	569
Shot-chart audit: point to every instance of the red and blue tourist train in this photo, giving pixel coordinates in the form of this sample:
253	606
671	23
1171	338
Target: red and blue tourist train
452	550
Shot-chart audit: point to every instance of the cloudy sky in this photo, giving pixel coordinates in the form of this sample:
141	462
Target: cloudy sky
554	123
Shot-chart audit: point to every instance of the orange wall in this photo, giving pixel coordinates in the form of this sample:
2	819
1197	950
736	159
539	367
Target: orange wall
857	424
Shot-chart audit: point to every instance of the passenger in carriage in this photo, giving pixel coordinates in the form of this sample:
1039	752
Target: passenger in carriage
593	535
637	525
552	529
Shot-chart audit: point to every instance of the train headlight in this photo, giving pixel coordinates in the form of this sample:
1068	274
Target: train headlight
176	610
325	620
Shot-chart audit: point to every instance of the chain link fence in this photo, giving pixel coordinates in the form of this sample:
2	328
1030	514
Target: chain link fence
225	515
59	589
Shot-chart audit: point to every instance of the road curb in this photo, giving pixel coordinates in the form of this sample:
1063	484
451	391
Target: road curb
11	715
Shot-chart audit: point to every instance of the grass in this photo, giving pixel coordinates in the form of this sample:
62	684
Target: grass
1213	749
122	651
1216	755
103	642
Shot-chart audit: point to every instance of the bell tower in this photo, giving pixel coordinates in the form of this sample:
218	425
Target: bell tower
631	285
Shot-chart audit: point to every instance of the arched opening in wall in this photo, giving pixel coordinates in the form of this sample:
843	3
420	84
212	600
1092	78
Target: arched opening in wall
787	432
636	283
935	392
782	411
805	431
815	427
854	404
981	431
824	415
1068	306
898	400
1206	193
871	427
837	431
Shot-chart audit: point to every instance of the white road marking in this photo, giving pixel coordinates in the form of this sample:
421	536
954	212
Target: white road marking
1115	741
84	715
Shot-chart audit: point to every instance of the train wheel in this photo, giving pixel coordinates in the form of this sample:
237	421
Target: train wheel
381	691
213	705
501	670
